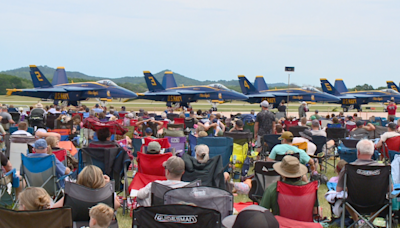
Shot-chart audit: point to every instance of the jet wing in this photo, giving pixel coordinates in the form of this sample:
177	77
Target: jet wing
78	89
260	95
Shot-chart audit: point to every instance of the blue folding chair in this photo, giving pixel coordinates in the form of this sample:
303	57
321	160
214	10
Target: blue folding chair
192	144
218	146
14	129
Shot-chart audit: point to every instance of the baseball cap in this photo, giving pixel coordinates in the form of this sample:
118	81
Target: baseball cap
148	130
306	134
392	126
130	115
316	111
122	107
40	144
286	135
97	105
153	148
359	123
21	109
175	165
264	104
239	123
253	216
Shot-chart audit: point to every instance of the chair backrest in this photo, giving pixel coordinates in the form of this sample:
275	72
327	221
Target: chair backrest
15	151
350	143
15	116
289	124
297	129
332	125
80	198
279	157
207	197
50	218
61	155
324	123
264	175
271	141
319	141
373	180
304	196
164	143
189	123
152	163
122	115
178	143
336	133
218	146
238	137
175	216
350	127
301	145
158	190
192	143
67	125
40	172
172	116
179	120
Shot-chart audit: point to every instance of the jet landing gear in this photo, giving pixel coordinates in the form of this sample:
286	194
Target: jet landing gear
346	109
214	105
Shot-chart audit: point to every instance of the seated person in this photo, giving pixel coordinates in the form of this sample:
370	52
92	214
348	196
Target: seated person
306	136
153	148
335	123
391	127
291	172
148	133
252	216
33	199
52	142
286	147
22	129
192	115
315	116
340	165
202	153
102	117
7	166
104	137
91	177
303	122
174	169
239	127
41	133
279	129
349	120
361	131
101	216
315	129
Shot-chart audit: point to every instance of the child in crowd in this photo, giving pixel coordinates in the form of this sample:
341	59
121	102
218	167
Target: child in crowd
34	198
101	216
338	168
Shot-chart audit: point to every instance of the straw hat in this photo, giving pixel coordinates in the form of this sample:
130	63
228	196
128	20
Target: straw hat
290	167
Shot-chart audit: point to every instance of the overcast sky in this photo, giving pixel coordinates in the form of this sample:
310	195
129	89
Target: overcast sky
356	40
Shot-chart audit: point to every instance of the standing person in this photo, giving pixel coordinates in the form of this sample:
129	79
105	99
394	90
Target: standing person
303	109
282	108
265	123
391	109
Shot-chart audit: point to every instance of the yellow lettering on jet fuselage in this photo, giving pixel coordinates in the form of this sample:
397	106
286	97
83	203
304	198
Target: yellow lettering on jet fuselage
377	98
172	98
328	86
38	76
205	95
349	101
61	96
153	82
94	93
297	97
246	85
269	99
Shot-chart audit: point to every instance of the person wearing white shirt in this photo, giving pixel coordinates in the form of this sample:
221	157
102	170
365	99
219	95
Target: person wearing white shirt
22	129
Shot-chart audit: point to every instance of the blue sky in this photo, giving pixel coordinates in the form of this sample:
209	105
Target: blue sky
356	40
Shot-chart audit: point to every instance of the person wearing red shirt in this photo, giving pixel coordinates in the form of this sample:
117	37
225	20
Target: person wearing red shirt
391	109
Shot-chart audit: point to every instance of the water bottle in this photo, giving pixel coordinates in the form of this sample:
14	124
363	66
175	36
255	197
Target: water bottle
234	159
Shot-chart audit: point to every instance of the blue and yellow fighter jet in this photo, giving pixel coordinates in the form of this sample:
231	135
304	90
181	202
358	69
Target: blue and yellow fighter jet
355	99
275	96
393	86
182	96
70	93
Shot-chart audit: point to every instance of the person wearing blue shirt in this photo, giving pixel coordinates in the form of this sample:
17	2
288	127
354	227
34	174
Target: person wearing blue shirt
97	109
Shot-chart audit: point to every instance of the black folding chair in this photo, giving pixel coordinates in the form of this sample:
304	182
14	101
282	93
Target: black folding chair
264	175
297	129
369	191
189	122
268	142
320	142
334	134
158	190
172	116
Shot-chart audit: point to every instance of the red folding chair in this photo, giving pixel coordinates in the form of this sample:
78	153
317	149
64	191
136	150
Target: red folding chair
61	155
132	122
150	169
122	115
289	124
304	196
120	121
179	121
78	113
391	144
350	127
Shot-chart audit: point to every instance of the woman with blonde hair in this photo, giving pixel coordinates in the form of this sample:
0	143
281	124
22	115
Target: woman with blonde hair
34	198
91	177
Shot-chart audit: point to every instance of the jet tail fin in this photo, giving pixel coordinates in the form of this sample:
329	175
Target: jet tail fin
38	78
340	86
168	80
259	83
392	85
152	83
328	88
59	77
246	86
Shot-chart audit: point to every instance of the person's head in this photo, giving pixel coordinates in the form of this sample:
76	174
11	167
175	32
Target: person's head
239	125
365	149
328	116
76	120
286	137
96	105
282	102
22	126
303	121
145	113
202	134
355	115
391	127
20	109
40	146
39	105
4	108
163	115
87	110
122	108
279	129
191	113
253	216
202	153
316	112
304	103
335	120
92	177
315	125
340	166
112	118
34	198
58	108
52	141
212	116
264	105
333	115
103	134
360	124
174	168
181	115
153	148
148	132
102	115
341	114
51	106
199	112
290	167
252	112
391	119
101	216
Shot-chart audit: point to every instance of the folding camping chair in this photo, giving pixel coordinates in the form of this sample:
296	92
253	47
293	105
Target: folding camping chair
207	197
61	155
50	218
80	199
51	120
189	123
63	132
268	142
179	121
175	216
289	124
18	144
15	116
7	198
241	147
41	172
164	143
61	125
347	149
158	190
304	196
192	140
218	146
178	143
374	181
320	142
335	134
392	144
297	129
211	173
264	175
174	130
172	116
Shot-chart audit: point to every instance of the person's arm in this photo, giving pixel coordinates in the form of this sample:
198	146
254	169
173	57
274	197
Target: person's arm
255	130
311	163
369	127
222	126
40	134
67	171
59	203
379	144
144	192
273	127
117	204
272	155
